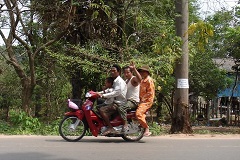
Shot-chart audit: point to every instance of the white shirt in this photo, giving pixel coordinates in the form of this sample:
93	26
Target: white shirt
119	91
108	100
133	91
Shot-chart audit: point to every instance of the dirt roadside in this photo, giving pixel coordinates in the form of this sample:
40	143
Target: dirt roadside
204	132
200	136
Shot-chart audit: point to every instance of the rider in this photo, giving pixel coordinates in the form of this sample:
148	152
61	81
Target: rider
132	96
119	95
147	93
107	89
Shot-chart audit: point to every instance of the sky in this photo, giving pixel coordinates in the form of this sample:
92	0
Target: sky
208	7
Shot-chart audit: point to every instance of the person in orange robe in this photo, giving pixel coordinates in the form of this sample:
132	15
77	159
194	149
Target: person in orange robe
147	93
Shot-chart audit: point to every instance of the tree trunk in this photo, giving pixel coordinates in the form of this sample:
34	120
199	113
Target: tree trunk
27	83
76	85
26	95
180	120
120	22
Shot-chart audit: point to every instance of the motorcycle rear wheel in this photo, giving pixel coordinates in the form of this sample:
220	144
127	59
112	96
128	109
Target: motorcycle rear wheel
72	129
135	136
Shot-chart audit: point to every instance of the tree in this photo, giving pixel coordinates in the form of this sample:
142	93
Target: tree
26	37
233	43
220	21
102	32
206	79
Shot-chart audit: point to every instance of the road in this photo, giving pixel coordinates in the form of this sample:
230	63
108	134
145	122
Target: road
102	148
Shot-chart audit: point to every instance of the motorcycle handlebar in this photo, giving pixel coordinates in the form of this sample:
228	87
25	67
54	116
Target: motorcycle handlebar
92	94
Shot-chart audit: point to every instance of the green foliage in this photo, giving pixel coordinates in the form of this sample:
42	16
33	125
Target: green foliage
221	21
21	124
102	7
206	79
194	10
94	42
202	32
23	121
51	128
233	42
51	93
157	129
10	91
4	127
93	61
152	40
91	58
150	21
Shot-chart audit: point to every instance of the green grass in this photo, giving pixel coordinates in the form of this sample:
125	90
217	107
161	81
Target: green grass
27	126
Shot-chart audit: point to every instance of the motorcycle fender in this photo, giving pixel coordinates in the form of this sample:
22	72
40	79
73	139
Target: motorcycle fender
78	113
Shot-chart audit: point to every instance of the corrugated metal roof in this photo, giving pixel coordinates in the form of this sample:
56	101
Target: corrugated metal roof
228	92
226	64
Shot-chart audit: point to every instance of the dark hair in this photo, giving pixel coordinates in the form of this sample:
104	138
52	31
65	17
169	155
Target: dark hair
117	67
127	67
110	80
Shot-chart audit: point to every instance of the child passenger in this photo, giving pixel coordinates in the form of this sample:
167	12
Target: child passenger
107	89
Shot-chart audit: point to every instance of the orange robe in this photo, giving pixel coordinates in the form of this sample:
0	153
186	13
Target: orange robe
147	93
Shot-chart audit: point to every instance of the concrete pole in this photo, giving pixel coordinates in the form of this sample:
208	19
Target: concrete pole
181	73
181	100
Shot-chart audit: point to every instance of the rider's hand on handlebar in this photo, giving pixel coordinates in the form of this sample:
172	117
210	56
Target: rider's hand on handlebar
100	94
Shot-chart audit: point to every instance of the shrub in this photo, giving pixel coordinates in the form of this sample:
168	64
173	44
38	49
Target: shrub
24	123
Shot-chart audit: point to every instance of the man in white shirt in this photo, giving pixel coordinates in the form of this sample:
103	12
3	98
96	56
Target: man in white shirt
119	94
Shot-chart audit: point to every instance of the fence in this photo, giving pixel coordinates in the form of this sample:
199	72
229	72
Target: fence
222	111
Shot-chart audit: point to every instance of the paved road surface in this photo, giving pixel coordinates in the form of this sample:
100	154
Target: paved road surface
102	148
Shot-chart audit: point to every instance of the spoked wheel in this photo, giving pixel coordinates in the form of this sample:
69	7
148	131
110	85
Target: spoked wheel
72	129
135	136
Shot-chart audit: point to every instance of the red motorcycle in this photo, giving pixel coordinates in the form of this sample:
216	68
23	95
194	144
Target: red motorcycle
84	117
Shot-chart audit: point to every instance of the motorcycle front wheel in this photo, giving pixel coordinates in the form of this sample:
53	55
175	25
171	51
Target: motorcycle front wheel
134	136
72	129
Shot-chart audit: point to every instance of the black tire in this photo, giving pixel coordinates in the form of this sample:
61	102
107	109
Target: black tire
70	131
134	137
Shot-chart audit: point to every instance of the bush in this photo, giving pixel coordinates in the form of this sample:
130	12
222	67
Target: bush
4	127
156	129
24	121
51	128
20	124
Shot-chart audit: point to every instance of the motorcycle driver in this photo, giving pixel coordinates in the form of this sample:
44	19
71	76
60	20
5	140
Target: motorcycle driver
119	95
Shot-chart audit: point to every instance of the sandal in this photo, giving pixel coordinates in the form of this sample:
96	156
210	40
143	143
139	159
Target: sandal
109	131
125	129
147	134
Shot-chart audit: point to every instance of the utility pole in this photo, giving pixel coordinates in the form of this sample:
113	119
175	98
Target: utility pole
180	121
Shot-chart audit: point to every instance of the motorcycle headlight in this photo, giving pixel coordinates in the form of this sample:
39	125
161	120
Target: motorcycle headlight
88	95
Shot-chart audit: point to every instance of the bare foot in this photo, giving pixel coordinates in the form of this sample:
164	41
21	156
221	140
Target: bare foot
147	132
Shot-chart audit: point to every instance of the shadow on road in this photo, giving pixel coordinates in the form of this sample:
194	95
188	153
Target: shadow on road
89	139
30	156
